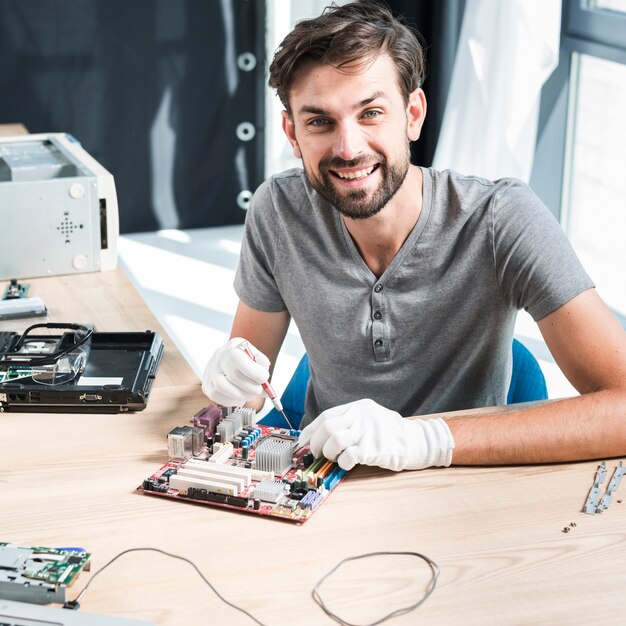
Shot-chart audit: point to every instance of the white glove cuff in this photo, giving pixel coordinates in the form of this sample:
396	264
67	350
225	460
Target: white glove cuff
440	442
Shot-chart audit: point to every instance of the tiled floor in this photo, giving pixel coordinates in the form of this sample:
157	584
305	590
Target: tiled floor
186	278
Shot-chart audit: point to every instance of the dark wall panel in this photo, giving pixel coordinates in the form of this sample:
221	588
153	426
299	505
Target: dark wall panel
153	90
439	23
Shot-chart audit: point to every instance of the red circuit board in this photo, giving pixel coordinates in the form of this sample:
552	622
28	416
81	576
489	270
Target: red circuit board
293	494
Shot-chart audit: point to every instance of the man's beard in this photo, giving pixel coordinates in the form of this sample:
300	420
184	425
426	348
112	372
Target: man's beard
359	204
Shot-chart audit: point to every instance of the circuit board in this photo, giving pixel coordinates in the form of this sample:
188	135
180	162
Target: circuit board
13	374
231	462
39	575
15	290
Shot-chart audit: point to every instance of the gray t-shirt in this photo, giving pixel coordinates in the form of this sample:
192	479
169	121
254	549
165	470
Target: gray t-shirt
434	332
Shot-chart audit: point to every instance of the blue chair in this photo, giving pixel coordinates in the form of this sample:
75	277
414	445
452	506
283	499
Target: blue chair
527	380
527	384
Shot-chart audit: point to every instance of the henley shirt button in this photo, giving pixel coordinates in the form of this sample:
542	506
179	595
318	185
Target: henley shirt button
378	343
378	288
378	315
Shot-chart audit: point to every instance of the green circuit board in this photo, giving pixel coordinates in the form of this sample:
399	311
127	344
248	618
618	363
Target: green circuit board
13	374
38	574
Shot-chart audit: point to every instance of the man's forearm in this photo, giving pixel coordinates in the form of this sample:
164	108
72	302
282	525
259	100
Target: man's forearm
585	427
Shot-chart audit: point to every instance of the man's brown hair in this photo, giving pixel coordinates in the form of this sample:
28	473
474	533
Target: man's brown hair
348	35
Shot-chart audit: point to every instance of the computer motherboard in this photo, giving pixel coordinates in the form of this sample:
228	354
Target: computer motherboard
230	461
39	575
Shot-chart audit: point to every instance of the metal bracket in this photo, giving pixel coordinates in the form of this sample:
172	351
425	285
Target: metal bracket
594	493
607	498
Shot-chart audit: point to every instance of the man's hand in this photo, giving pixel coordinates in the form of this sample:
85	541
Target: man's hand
232	378
367	433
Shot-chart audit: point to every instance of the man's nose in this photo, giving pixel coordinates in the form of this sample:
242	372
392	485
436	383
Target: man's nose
348	141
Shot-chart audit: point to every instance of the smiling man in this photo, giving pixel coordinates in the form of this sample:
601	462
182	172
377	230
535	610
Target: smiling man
405	281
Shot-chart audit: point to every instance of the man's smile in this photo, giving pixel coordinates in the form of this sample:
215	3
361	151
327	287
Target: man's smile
354	174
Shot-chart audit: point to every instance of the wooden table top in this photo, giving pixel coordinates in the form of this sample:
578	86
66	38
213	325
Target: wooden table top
496	532
12	129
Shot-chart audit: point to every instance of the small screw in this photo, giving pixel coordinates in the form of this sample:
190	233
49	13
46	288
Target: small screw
573	524
566	529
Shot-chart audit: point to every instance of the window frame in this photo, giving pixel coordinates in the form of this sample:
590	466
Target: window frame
584	30
587	28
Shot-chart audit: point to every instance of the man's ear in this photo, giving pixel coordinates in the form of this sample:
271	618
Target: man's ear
415	113
290	130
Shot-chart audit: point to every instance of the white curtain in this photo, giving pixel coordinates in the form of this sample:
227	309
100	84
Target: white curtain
507	50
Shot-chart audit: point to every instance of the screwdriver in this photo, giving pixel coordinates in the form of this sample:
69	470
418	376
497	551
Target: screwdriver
269	391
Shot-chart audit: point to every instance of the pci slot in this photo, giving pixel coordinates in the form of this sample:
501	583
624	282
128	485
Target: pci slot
182	483
237	481
254	474
226	470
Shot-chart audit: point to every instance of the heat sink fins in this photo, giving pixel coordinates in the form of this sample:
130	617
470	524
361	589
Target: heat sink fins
269	491
274	455
248	416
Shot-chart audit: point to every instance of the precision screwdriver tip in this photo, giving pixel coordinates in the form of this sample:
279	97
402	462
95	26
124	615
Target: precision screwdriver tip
286	419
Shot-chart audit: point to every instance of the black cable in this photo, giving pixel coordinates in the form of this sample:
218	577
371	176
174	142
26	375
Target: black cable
316	591
433	583
174	556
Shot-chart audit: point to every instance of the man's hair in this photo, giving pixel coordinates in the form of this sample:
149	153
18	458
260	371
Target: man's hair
344	36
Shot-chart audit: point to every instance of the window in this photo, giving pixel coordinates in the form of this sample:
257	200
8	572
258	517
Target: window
593	198
611	5
595	218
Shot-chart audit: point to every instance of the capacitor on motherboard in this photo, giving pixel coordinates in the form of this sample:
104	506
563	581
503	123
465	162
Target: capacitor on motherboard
244	450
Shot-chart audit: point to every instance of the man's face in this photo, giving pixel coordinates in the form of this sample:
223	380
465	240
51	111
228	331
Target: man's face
352	130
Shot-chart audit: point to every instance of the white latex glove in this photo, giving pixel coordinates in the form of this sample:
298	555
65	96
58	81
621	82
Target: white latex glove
232	378
365	432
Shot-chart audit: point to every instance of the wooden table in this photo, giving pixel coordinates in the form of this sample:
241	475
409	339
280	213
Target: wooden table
495	532
12	129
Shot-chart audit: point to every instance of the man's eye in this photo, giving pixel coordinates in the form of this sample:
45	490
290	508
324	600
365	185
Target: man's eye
319	121
371	114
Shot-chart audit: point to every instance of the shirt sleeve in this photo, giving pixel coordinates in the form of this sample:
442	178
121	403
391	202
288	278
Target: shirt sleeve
537	268
255	282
